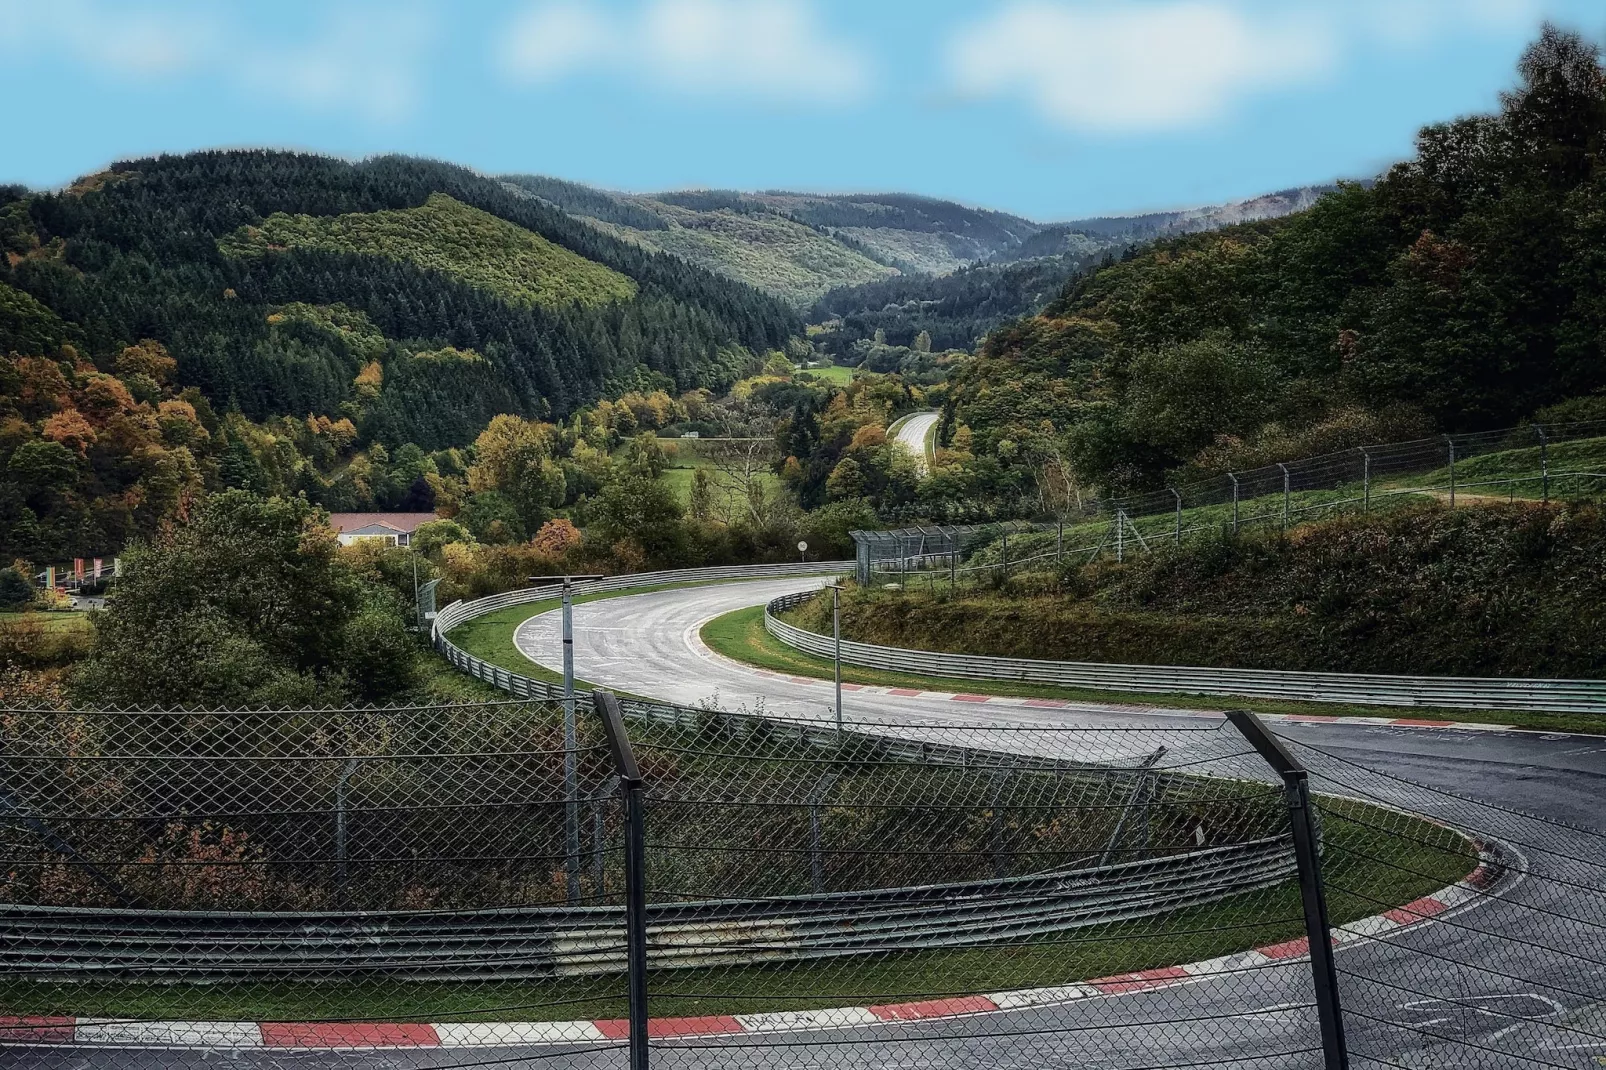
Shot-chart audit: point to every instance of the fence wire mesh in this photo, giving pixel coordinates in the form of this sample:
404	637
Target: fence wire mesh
1528	463
328	888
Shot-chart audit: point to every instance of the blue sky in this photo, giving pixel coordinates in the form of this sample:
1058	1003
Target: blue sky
1048	108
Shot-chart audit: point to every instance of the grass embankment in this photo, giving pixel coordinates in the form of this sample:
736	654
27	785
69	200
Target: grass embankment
740	636
1503	590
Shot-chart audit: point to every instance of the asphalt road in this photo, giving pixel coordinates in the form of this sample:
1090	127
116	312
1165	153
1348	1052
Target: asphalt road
1519	977
912	435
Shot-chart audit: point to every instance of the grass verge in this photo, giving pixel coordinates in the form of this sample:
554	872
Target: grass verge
740	635
1383	859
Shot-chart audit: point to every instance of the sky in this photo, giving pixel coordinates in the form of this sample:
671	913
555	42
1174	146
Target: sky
1051	109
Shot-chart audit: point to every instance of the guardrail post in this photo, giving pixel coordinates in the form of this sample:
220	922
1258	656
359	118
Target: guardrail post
1234	479
1544	462
1307	859
624	760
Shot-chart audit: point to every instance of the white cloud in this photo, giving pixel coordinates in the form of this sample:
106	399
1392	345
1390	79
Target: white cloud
774	49
361	59
1154	66
1140	67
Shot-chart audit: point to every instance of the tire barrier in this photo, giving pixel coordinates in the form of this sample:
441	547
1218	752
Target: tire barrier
1482	693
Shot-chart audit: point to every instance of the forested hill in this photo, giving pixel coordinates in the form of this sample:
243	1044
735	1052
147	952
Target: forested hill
297	284
794	245
1462	291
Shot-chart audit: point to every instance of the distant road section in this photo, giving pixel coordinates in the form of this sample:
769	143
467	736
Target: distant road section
913	434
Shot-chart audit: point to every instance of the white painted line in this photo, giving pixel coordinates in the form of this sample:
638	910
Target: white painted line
121	1032
512	1034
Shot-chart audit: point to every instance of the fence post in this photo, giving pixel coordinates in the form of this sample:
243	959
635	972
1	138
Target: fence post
1059	538
1448	441
1284	467
1234	502
1366	480
571	746
1006	553
1178	494
1120	534
1307	859
1544	461
816	855
624	760
346	773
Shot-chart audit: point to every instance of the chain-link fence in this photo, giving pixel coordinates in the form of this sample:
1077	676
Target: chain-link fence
704	888
1533	462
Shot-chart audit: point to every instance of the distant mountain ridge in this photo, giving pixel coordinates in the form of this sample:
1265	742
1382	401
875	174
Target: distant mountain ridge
803	246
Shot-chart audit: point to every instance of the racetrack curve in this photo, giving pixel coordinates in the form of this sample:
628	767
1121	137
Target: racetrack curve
648	644
912	435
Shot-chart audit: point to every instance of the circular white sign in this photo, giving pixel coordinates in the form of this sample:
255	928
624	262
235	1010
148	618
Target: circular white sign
802	546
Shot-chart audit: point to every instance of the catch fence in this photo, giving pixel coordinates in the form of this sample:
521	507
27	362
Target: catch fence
1532	462
725	889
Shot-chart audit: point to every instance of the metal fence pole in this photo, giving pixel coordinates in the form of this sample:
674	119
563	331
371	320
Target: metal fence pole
1307	859
1366	481
346	773
1234	502
1544	462
1059	538
1120	534
1178	493
624	759
836	644
571	746
1450	442
1284	467
1006	553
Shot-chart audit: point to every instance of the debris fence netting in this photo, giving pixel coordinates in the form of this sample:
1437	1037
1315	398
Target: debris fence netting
446	886
1527	463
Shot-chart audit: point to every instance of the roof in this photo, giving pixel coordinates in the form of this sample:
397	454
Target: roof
404	523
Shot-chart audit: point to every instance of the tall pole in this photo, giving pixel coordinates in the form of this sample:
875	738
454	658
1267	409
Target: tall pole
1451	443
633	786
571	747
1544	462
1284	467
1120	534
836	637
1308	868
1366	481
1178	537
1234	502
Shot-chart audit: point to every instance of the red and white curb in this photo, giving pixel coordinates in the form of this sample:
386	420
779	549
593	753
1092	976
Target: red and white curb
978	699
353	1036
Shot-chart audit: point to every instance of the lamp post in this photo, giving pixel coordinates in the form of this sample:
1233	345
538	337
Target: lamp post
571	744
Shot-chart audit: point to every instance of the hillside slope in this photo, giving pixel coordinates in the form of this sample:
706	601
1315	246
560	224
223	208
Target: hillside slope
203	253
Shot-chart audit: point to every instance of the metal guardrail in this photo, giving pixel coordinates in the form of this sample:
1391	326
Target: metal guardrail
459	612
1453	692
84	944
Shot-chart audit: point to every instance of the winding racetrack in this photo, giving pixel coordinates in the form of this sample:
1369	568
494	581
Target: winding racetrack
912	435
648	644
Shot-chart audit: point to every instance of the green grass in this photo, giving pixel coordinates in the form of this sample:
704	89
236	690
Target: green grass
1377	859
54	620
839	374
456	239
740	635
